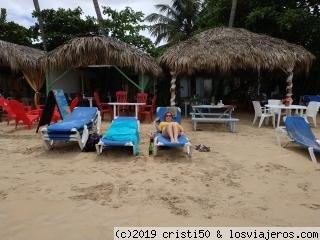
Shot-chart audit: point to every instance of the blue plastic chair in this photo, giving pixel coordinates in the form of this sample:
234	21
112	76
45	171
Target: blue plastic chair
300	132
123	131
161	141
310	98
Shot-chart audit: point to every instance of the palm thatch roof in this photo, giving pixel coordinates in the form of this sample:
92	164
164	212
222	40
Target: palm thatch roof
100	50
227	49
19	57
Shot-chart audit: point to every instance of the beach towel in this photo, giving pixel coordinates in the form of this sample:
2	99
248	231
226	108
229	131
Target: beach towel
123	130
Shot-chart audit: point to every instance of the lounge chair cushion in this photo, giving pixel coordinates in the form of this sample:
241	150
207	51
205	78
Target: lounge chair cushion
79	117
182	140
299	130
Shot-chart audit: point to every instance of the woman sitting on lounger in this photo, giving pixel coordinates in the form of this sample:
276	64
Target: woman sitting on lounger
169	128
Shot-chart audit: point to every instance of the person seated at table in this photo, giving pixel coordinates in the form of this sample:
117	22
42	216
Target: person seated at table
169	128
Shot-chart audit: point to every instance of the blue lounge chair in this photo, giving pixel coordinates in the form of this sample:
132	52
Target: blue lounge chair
74	127
300	132
310	98
123	131
161	141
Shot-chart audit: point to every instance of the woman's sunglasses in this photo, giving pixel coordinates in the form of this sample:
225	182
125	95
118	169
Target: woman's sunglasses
168	115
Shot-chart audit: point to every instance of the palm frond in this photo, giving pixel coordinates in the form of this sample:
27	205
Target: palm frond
155	17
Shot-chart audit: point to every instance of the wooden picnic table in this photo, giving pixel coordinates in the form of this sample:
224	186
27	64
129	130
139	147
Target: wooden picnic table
222	114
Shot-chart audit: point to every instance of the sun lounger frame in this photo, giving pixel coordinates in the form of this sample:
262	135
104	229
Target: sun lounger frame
75	136
101	145
186	147
158	144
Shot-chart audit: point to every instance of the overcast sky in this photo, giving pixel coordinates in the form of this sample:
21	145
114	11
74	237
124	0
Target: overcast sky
20	11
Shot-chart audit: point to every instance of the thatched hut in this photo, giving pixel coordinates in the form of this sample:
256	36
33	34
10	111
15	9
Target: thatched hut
229	49
99	51
24	59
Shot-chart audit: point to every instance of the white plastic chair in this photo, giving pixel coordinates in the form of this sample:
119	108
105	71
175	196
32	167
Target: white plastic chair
261	112
273	110
312	110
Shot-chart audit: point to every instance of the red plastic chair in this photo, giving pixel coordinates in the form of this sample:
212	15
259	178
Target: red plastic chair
74	103
27	118
39	106
6	107
1	102
102	106
141	98
122	97
149	110
56	115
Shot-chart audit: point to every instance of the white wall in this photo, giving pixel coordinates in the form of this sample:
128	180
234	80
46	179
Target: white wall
70	82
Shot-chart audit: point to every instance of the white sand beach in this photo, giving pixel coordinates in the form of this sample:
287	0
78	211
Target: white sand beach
245	180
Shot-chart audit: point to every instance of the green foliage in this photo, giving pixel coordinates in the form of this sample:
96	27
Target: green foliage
178	22
262	19
126	26
62	25
296	21
12	32
214	14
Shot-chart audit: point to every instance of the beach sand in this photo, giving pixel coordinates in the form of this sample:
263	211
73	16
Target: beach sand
245	180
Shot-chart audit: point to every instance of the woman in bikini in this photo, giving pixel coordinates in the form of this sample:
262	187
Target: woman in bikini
169	128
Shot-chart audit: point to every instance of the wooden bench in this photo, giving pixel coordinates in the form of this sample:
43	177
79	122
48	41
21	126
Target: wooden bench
231	122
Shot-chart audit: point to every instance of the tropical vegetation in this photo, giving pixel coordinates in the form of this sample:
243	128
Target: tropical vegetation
292	20
177	23
13	32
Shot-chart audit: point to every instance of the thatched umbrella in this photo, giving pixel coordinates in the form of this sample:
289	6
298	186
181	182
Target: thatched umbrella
25	59
99	50
227	49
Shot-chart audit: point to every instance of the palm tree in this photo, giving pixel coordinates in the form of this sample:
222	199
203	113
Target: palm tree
37	8
177	24
99	16
233	12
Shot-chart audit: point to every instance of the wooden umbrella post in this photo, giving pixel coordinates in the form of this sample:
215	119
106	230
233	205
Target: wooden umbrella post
173	89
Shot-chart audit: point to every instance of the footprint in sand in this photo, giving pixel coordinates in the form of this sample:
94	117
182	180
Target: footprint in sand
172	202
99	192
30	150
270	167
313	206
3	195
304	186
263	208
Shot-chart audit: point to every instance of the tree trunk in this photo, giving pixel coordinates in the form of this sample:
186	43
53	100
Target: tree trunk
37	8
289	82
99	16
233	12
173	89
